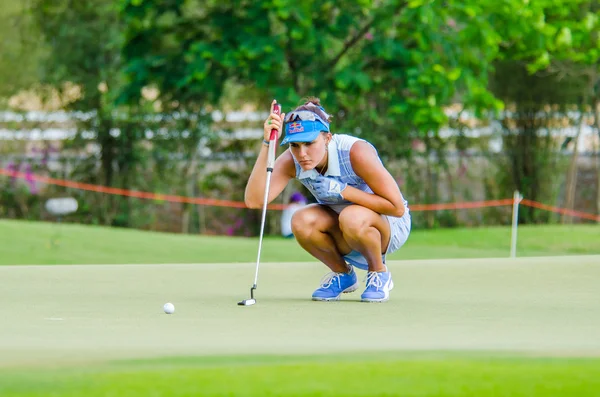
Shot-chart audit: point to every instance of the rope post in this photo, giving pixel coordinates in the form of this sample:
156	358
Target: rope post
515	222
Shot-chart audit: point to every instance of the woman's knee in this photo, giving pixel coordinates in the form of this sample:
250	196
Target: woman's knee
354	219
306	221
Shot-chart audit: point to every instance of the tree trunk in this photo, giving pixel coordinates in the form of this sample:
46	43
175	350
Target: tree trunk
597	119
571	182
190	182
107	157
524	143
430	215
202	218
443	165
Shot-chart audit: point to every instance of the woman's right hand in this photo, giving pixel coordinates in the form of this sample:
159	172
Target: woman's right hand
274	121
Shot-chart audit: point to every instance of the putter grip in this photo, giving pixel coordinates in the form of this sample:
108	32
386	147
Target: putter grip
273	142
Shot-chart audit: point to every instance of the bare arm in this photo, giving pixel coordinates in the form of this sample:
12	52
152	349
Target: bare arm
387	199
283	171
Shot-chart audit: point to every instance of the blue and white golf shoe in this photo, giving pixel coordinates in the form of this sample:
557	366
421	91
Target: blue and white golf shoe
335	284
379	285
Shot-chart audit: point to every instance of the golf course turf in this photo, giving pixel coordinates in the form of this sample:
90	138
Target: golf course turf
528	326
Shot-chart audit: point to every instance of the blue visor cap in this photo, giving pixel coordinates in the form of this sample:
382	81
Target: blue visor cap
303	126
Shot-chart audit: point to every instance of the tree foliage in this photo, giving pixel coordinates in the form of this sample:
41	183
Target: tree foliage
554	69
84	64
147	73
386	67
19	47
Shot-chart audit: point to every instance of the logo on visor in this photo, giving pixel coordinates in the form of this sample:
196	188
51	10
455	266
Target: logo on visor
295	128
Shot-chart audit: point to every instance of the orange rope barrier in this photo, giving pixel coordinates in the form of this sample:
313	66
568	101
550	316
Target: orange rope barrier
564	211
239	204
458	206
130	193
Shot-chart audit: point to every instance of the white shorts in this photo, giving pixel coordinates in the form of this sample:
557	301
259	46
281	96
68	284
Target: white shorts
399	231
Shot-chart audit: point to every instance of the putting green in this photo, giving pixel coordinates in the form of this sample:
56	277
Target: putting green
71	314
442	375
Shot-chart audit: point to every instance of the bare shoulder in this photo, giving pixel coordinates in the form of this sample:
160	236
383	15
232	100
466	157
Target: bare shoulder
363	156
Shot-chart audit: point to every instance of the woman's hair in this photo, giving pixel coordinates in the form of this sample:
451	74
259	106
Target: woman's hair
313	104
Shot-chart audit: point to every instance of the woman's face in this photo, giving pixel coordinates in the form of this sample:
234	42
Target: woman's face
310	154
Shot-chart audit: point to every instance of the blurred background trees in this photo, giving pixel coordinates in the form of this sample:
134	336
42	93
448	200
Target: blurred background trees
464	99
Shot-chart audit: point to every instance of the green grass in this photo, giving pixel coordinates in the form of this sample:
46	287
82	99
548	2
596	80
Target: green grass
91	313
48	243
492	327
351	376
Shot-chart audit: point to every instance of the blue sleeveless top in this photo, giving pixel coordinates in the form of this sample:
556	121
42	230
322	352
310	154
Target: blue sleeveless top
338	168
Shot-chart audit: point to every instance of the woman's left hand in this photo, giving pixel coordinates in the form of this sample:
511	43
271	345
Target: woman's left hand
328	188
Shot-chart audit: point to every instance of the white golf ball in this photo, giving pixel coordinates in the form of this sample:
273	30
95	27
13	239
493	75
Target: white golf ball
169	308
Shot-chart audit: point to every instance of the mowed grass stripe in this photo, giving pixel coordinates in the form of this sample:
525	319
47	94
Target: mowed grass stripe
454	376
48	243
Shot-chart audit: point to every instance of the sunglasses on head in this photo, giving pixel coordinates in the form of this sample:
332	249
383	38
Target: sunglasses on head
305	115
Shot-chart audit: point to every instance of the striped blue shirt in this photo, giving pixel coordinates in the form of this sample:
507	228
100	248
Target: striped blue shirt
339	168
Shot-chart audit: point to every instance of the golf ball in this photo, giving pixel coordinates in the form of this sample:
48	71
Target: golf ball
169	308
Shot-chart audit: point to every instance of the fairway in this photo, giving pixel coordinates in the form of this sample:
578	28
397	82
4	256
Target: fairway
43	243
65	314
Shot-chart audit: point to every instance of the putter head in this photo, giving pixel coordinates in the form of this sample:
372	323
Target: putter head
251	301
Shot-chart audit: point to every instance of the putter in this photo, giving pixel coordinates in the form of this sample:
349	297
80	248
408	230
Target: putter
270	163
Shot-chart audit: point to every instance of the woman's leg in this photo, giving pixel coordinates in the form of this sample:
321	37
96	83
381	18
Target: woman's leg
367	232
317	230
